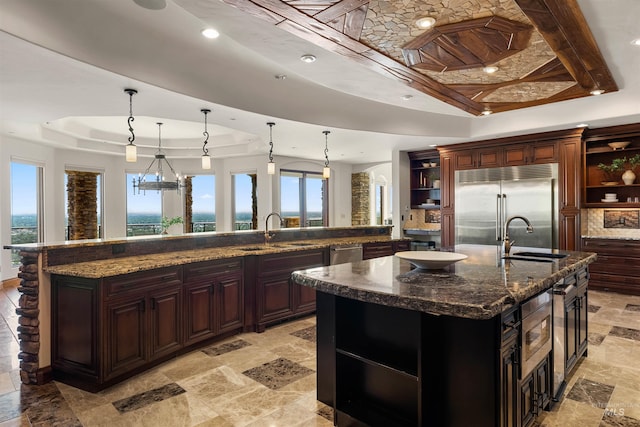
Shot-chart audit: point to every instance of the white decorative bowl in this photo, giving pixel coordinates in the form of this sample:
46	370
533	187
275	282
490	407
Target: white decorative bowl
430	259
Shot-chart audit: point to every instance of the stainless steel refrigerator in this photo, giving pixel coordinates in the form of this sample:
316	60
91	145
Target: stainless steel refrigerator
486	198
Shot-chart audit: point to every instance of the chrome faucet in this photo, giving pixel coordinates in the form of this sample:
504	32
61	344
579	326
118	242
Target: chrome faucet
269	234
507	244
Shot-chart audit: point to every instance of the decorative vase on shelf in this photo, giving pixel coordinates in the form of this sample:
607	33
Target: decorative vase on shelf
628	177
436	183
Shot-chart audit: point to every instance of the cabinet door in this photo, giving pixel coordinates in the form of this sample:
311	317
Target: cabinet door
571	319
581	327
515	155
489	157
199	312
543	385
527	407
546	152
230	303
305	299
125	332
275	297
509	383
465	159
376	250
165	324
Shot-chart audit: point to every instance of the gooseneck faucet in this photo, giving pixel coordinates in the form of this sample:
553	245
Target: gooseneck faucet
507	244
269	234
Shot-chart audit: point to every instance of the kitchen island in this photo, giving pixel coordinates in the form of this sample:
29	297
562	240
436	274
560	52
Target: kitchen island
403	346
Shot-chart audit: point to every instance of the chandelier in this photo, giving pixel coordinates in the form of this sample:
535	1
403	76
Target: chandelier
159	184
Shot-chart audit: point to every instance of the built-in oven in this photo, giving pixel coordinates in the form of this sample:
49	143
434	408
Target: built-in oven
536	337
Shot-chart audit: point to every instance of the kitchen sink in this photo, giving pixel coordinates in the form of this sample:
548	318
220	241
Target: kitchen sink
540	255
523	258
252	248
298	244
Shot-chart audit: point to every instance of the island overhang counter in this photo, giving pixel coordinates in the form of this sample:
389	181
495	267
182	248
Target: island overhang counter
404	346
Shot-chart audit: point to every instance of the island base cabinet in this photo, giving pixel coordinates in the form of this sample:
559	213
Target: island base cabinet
386	366
535	393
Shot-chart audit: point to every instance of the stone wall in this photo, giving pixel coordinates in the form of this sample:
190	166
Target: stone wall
82	207
187	224
360	198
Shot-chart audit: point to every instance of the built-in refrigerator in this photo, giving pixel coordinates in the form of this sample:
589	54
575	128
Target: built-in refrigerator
486	198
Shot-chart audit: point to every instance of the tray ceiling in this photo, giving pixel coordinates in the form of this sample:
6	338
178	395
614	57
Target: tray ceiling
543	49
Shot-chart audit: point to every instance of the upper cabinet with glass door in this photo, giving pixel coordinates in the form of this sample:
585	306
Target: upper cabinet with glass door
611	167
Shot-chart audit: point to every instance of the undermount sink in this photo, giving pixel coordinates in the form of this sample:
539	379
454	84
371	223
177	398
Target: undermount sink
540	255
252	248
522	258
297	244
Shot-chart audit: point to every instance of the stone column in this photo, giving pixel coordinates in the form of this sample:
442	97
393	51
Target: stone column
28	322
187	225
82	210
360	198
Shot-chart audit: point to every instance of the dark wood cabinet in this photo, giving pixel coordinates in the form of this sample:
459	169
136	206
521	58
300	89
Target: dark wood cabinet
486	157
617	268
509	368
425	179
277	297
105	330
530	154
596	150
214	301
377	250
535	393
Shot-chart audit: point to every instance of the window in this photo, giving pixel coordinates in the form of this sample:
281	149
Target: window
244	202
26	206
144	210
203	205
302	199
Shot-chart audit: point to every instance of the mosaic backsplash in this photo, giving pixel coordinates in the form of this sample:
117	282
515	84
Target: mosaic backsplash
621	223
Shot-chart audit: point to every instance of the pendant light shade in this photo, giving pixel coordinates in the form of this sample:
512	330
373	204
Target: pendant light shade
206	159
131	151
271	166
326	171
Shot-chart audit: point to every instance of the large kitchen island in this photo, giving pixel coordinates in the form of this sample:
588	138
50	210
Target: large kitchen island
453	347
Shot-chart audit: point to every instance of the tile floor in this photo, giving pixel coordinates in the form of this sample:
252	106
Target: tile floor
268	379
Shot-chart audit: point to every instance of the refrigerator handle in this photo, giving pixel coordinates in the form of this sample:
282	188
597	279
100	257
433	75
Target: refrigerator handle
498	218
504	210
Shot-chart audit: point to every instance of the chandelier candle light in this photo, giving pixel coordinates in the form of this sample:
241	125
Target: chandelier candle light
326	172
206	159
271	166
131	153
159	184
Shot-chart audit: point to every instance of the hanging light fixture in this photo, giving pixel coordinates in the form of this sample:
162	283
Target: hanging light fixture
326	172
159	184
206	159
131	152
271	167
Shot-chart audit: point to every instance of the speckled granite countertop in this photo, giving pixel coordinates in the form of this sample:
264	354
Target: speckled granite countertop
479	287
637	238
125	265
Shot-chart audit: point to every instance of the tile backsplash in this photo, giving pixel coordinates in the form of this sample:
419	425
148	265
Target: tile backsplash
624	223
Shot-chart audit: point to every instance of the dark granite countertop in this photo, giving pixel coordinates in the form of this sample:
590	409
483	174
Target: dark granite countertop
479	287
125	265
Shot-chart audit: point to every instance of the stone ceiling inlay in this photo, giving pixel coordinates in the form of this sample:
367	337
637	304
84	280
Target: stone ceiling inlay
543	48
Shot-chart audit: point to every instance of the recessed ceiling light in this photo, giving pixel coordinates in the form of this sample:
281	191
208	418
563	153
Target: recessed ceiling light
280	76
486	112
210	33
407	97
635	42
426	22
433	145
151	4
597	92
490	69
308	58
582	125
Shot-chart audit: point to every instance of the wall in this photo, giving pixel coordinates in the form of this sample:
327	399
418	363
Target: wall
56	160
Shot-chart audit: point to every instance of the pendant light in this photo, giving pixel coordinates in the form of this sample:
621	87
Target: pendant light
131	151
206	159
159	184
271	166
326	172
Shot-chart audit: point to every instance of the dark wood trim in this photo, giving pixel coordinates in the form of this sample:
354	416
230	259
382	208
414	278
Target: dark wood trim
609	132
528	138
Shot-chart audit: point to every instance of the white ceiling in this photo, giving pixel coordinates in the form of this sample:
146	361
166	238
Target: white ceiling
64	65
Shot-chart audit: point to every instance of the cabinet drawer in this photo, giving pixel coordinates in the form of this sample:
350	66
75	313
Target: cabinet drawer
616	266
510	324
290	261
376	250
625	248
142	280
207	269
